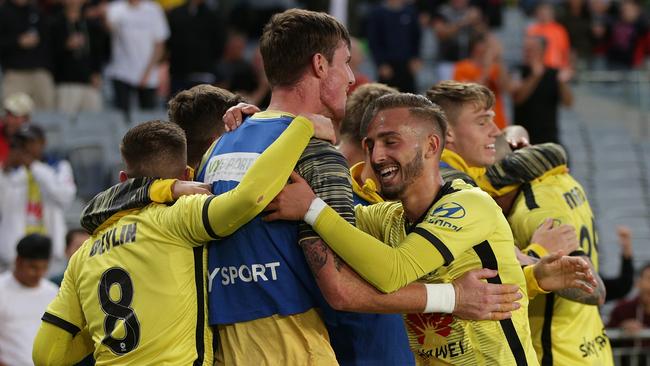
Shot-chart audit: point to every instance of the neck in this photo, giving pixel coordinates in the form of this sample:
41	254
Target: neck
296	99
420	195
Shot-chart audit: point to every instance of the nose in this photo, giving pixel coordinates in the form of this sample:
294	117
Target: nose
377	154
351	79
494	129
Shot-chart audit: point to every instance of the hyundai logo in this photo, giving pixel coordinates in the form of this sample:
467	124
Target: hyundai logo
451	210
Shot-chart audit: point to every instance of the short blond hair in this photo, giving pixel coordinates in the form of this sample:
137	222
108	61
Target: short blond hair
452	95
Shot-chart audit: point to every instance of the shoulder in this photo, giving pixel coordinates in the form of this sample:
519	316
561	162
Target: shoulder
323	156
462	199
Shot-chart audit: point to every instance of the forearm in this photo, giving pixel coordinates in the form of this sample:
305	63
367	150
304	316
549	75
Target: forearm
597	297
566	96
55	346
619	287
385	267
262	182
523	92
156	57
344	290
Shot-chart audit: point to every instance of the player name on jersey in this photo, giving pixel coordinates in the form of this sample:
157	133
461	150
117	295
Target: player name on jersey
111	239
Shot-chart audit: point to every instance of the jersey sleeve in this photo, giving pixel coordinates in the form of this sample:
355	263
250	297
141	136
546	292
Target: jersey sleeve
328	175
524	229
65	310
199	219
429	246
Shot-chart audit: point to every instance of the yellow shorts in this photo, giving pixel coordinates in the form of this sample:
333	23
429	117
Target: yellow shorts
299	339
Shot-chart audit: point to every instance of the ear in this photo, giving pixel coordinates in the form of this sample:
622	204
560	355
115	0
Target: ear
123	176
319	65
450	134
433	146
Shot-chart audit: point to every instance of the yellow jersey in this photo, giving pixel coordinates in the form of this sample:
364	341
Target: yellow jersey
564	332
463	229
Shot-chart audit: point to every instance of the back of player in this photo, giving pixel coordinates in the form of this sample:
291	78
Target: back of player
564	332
140	286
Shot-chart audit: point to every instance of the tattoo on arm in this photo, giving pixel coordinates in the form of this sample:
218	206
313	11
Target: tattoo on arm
317	253
583	297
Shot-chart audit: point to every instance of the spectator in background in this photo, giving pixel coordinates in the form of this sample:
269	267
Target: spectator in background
78	47
626	34
138	33
24	296
236	72
195	44
485	66
74	238
33	194
558	47
575	19
18	108
620	286
357	58
25	50
634	315
601	22
394	40
454	25
538	91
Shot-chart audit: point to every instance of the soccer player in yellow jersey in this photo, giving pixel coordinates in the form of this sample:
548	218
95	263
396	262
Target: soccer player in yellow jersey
436	233
566	326
135	291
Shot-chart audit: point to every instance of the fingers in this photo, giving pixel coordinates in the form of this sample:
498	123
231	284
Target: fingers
548	223
499	316
273	216
272	206
483	273
504	290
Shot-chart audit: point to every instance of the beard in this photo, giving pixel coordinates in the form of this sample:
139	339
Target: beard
409	172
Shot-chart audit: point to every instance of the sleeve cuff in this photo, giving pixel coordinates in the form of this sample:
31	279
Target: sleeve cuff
161	190
536	250
316	207
531	283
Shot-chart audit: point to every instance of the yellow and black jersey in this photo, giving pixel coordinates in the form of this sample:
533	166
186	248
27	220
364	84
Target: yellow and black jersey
564	332
138	285
463	229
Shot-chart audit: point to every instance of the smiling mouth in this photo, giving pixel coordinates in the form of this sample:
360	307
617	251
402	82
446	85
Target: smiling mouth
387	173
490	147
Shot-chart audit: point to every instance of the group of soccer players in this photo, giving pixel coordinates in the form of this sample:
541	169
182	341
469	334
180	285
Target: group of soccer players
423	270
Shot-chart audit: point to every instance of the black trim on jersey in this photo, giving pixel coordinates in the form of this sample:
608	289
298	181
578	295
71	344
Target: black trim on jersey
63	324
444	190
578	253
200	301
489	260
532	253
440	246
547	343
529	196
205	214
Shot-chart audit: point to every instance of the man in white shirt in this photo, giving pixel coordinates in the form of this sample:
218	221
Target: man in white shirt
138	32
24	296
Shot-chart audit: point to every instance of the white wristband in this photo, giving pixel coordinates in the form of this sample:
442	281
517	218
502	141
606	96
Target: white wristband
441	298
317	205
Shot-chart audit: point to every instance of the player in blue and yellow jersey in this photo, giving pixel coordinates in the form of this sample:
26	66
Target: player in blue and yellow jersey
566	325
438	233
134	293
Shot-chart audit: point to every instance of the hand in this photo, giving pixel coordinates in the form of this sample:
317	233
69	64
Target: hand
144	79
28	39
234	116
557	272
631	326
625	240
562	237
385	71
292	202
516	136
323	127
75	41
186	188
565	75
96	80
478	300
415	65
